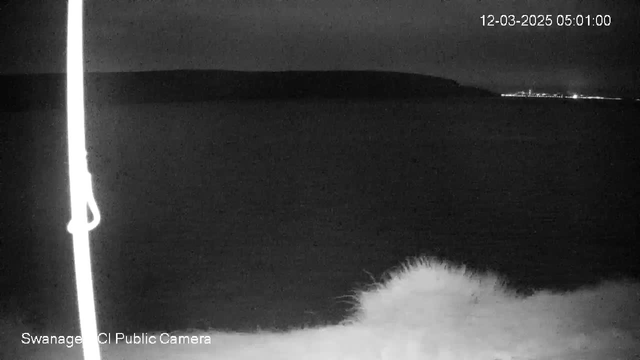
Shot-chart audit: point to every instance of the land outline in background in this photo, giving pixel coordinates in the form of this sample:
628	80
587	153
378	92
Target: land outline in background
22	92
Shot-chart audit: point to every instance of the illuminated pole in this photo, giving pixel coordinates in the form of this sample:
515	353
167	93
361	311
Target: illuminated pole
80	183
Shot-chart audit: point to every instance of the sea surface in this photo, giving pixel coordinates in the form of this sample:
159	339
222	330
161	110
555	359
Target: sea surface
264	214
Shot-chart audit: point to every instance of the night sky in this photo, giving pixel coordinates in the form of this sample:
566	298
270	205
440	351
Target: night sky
434	37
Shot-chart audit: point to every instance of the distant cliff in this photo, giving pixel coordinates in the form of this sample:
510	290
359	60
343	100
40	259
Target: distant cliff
43	91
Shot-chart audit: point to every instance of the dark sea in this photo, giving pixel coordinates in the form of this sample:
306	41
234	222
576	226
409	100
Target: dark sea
263	214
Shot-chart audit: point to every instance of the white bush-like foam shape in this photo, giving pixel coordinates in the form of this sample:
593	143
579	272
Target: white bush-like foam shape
430	310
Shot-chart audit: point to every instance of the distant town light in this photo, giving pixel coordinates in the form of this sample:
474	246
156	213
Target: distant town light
555	96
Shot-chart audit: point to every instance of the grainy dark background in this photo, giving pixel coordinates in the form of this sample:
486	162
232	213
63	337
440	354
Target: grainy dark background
242	214
442	38
237	214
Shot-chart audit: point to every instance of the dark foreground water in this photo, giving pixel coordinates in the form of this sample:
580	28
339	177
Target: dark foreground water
237	215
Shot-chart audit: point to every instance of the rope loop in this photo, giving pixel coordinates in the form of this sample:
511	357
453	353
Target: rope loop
87	192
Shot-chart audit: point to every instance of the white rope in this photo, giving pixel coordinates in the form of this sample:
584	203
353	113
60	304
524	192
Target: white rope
81	192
